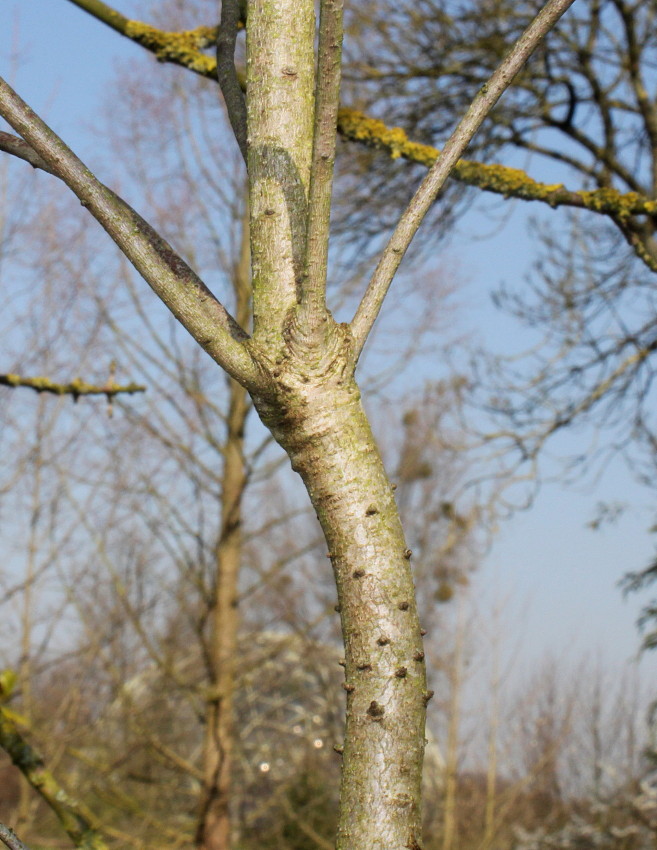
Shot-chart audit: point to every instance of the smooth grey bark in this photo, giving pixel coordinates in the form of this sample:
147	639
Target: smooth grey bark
318	418
312	407
280	37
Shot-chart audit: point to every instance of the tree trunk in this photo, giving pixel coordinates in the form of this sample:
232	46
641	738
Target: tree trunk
214	831
322	426
214	827
312	406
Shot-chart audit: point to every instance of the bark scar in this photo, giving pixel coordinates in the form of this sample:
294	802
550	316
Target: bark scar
376	711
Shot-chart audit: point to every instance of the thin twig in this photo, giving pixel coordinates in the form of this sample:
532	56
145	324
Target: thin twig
412	217
327	101
74	388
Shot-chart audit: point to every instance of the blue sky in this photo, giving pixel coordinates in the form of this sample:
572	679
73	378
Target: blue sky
63	62
560	572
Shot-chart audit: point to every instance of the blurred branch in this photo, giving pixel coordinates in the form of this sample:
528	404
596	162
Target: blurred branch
79	824
10	839
76	388
304	826
104	13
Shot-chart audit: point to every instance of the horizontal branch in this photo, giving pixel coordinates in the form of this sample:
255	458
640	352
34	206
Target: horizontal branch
355	126
75	388
499	179
180	48
181	290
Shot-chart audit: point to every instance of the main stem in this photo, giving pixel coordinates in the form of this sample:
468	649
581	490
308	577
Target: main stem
280	107
322	426
312	406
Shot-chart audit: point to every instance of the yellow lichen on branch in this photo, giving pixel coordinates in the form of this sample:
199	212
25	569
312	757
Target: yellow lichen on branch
185	49
622	206
182	48
510	182
75	388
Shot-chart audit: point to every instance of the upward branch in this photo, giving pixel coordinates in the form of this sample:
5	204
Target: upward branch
280	76
428	191
327	98
181	290
226	73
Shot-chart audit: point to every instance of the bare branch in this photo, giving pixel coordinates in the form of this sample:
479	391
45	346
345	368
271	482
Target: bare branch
327	99
75	388
181	290
104	13
10	839
226	73
411	219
